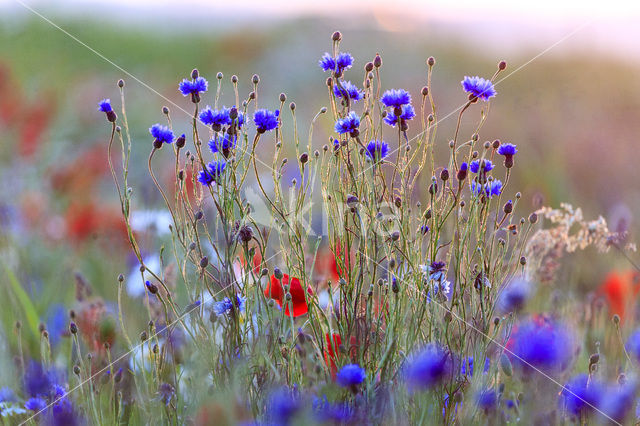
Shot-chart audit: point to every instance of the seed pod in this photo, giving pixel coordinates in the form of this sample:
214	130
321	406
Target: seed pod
73	328
444	175
505	365
508	207
204	262
377	61
533	218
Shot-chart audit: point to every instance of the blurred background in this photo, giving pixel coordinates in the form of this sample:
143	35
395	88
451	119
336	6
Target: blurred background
570	101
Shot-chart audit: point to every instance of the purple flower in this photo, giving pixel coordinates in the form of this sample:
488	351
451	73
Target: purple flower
348	90
349	124
487	399
478	87
282	407
105	105
507	149
223	144
395	98
581	395
475	166
633	345
195	87
617	401
467	366
38	382
35	404
514	296
540	344
166	392
212	173
489	189
377	150
407	114
351	375
342	62
7	395
226	305
265	120
326	412
427	368
162	134
216	118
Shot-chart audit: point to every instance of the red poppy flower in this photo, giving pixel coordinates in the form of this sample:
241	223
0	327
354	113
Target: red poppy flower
331	353
620	291
275	290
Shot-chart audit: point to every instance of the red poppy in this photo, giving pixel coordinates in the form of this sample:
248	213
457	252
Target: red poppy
331	353
620	289
326	267
275	291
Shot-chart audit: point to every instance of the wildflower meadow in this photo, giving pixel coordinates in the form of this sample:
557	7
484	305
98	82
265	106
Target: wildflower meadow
359	264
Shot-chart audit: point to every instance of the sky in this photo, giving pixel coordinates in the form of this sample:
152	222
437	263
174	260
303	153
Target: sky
598	25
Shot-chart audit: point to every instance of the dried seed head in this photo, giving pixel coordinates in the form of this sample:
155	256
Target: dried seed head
523	260
368	67
220	76
234	79
292	106
502	65
255	79
283	97
533	218
444	174
121	83
73	328
508	207
277	273
425	91
195	74
165	110
76	370
204	262
496	144
336	36
143	336
431	61
304	157
120	278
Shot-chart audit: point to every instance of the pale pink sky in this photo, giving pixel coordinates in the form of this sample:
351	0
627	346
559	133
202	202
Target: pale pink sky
613	24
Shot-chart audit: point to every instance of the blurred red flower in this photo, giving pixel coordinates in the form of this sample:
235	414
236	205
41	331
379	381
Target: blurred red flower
331	353
275	290
621	290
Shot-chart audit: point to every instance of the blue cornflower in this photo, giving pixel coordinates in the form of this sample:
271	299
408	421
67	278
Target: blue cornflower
507	149
348	90
162	134
282	406
351	375
581	394
35	404
212	173
407	114
514	296
265	120
226	305
377	150
478	87
326	412
489	189
7	395
617	400
38	382
633	345
395	98
487	399
193	88
342	62
349	124
63	413
475	166
166	392
105	105
467	366
216	118
223	144
427	368
541	343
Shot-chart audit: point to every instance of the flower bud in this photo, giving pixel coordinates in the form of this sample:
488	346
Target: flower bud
377	61
204	262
